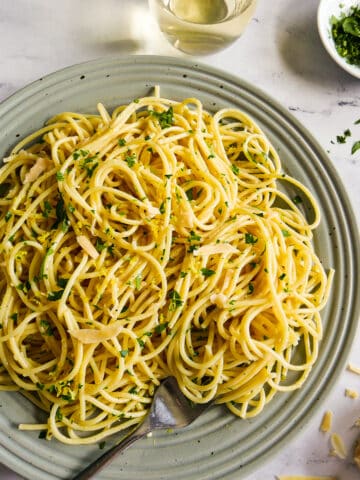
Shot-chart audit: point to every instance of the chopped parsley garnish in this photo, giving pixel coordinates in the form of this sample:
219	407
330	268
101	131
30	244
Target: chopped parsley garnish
297	199
346	35
251	288
342	138
124	353
161	327
46	328
47	209
8	216
286	233
100	245
355	147
193	237
183	274
138	280
130	160
250	238
162	207
62	220
282	276
207	272
122	142
59	176
43	434
235	169
54	296
166	119
175	300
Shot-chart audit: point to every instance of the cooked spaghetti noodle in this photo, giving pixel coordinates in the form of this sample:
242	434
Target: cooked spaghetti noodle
149	242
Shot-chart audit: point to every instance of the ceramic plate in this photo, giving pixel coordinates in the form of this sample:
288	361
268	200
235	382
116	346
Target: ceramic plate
326	10
217	445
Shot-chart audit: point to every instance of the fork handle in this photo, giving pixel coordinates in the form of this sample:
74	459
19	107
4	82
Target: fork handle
106	457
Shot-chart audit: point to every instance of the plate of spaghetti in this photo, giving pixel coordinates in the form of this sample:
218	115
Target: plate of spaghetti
162	218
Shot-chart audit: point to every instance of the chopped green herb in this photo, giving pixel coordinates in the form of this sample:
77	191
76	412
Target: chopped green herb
141	342
346	35
190	194
355	147
207	272
138	280
192	248
46	328
250	238
47	209
193	237
282	276
71	208
58	415
62	282
175	300
122	142
54	296
166	119
183	274
162	207
130	160
251	287
43	434
136	100
147	137
59	176
40	386
286	233
297	199
124	353
102	445
235	169
161	327
133	390
8	216
100	245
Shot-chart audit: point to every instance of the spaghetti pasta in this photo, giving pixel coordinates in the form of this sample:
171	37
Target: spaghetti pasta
149	242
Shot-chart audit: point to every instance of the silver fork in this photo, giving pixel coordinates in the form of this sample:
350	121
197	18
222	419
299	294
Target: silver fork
169	409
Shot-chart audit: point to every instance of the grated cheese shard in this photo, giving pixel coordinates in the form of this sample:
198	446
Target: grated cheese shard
92	335
326	422
353	368
219	299
86	245
215	249
338	447
351	393
36	170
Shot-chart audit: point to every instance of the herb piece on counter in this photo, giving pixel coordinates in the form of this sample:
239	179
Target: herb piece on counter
346	35
342	138
355	147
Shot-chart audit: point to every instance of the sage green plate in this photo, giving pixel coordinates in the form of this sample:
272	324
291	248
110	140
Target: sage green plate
218	445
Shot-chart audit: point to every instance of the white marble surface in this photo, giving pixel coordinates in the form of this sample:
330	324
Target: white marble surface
280	53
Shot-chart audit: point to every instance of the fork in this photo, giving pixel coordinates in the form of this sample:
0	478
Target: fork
169	409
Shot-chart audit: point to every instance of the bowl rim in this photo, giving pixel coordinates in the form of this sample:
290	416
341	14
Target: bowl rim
323	19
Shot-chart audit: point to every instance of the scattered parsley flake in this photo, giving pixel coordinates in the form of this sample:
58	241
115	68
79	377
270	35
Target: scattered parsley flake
207	272
355	147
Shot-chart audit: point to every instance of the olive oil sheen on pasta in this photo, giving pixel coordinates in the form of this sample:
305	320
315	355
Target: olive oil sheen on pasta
202	26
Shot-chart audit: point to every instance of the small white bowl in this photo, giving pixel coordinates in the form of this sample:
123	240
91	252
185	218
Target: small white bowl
326	9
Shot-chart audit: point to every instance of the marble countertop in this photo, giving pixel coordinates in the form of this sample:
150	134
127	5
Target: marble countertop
281	54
